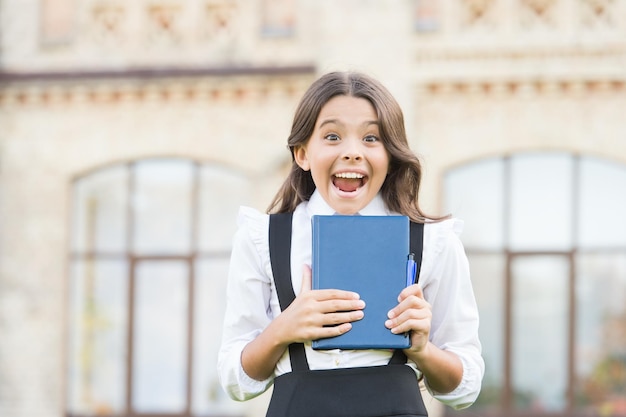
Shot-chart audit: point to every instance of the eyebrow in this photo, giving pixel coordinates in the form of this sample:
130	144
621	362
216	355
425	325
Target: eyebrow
338	122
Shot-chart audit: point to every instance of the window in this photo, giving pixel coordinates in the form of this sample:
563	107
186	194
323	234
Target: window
278	18
148	264
546	237
427	16
56	21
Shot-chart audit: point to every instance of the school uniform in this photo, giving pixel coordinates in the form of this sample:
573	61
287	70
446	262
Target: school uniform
252	302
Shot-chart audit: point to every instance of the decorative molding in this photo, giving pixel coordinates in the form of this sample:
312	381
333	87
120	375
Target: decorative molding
513	87
446	54
599	13
145	85
477	14
164	26
543	65
106	24
538	13
220	20
8	77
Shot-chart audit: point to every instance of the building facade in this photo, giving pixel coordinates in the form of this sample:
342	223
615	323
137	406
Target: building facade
130	132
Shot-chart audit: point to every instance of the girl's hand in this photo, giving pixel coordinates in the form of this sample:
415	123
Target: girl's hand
413	313
316	314
442	369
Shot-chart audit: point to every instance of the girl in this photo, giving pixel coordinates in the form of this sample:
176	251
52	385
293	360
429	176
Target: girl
350	156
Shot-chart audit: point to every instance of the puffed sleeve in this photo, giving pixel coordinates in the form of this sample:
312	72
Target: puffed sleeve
248	309
445	278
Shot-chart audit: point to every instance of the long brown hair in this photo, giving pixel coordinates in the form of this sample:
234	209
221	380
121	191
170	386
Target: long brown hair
401	187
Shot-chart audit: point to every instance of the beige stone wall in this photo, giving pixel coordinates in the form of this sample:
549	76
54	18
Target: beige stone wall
496	77
50	139
456	125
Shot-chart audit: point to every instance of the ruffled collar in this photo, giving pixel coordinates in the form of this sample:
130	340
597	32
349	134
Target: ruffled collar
318	206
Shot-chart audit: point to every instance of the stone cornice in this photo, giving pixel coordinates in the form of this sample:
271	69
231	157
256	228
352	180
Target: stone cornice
541	69
518	87
238	84
427	53
9	77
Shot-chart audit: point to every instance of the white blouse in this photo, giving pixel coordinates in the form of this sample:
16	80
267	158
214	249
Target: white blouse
252	301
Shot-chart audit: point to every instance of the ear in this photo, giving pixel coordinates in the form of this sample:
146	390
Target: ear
299	154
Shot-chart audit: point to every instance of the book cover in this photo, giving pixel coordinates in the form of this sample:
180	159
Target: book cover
367	255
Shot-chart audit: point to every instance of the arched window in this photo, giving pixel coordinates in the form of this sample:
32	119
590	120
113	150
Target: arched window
148	267
546	238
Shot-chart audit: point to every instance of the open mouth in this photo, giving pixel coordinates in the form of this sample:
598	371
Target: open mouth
349	182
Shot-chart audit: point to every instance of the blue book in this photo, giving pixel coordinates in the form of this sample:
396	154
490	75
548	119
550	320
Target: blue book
367	255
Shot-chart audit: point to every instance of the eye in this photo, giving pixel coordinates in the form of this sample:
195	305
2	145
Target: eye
370	139
333	137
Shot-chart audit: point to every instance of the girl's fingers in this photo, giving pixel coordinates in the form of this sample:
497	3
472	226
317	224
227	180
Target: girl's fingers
322	295
414	289
413	312
410	297
315	324
334	330
412	318
316	314
332	319
413	325
340	305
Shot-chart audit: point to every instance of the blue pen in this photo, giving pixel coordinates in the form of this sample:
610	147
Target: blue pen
411	270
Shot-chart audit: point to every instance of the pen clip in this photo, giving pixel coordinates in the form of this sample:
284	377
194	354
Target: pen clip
411	270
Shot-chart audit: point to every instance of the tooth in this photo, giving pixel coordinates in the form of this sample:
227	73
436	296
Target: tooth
349	175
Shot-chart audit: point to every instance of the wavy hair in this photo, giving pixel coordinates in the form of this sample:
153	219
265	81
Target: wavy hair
401	187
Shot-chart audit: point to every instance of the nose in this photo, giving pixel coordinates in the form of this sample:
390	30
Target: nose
352	151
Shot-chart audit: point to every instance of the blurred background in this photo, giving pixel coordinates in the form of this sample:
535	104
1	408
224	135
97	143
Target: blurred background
131	132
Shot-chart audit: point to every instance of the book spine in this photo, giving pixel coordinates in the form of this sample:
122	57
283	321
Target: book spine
315	253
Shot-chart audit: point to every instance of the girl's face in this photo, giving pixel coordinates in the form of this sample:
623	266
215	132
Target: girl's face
345	154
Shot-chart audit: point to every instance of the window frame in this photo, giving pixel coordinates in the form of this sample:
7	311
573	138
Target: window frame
505	405
190	260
